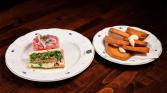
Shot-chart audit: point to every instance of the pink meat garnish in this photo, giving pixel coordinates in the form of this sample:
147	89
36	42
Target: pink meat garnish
45	42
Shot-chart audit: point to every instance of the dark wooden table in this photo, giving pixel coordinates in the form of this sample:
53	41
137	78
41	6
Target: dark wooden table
86	17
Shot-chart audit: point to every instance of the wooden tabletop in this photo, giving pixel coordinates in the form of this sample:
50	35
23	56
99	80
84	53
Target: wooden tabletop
86	17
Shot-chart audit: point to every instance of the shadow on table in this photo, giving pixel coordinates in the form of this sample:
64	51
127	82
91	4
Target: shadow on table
51	84
11	79
38	85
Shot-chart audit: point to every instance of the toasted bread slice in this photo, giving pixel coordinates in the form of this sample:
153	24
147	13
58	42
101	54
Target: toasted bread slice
53	58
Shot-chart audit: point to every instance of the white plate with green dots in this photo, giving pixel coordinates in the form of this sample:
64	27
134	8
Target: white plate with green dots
78	55
153	43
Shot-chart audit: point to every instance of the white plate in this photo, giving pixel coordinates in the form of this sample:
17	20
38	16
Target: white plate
153	43
78	52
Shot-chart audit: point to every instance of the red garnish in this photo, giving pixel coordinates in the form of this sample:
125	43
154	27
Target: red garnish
45	42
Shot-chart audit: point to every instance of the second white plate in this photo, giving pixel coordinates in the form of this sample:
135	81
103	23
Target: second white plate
153	43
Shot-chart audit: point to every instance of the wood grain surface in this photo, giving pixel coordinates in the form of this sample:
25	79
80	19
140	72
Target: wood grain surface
86	17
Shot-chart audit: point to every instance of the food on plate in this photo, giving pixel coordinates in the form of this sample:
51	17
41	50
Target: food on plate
47	53
140	43
118	32
119	42
45	42
136	49
142	35
114	52
114	41
53	58
131	43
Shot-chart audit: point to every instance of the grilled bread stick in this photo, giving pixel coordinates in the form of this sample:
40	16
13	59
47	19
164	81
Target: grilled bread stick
136	49
142	35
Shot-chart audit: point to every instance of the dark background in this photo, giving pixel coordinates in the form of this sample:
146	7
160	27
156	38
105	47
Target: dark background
18	17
